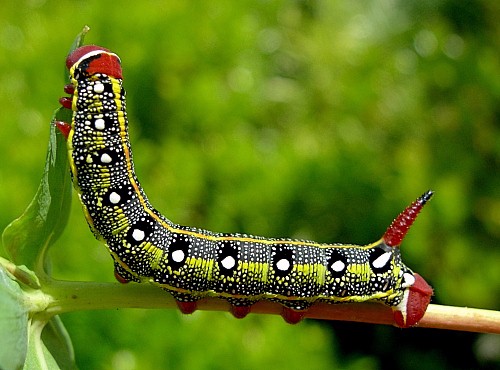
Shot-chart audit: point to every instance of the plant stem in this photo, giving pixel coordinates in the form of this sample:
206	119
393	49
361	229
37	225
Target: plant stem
73	296
461	318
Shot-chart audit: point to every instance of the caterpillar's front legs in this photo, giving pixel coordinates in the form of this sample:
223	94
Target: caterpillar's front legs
64	127
67	103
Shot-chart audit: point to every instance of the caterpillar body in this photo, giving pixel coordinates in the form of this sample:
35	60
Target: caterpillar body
191	263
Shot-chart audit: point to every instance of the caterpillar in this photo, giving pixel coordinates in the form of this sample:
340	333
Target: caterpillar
192	263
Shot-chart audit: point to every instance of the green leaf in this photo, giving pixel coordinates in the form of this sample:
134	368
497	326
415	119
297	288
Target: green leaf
79	39
49	346
76	44
57	340
13	323
38	356
27	238
26	241
45	218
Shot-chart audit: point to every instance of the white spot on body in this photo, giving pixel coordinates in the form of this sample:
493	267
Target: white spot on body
283	264
382	260
228	263
98	88
114	198
408	280
106	158
138	235
99	124
338	266
178	255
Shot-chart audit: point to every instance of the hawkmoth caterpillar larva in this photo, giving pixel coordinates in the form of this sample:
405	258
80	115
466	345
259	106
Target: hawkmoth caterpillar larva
192	263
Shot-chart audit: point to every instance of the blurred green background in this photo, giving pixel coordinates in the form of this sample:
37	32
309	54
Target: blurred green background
308	119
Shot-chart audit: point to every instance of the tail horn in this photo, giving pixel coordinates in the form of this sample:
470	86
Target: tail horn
401	224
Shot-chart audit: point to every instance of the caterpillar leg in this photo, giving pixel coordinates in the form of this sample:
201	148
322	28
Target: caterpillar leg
292	316
123	276
240	307
414	304
293	311
69	89
240	312
66	102
187	303
64	127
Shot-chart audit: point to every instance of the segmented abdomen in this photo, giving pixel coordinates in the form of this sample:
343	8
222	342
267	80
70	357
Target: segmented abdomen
192	262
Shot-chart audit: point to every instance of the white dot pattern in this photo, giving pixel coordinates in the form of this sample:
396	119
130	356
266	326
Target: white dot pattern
114	198
283	264
228	262
381	261
178	255
100	124
138	235
338	266
106	158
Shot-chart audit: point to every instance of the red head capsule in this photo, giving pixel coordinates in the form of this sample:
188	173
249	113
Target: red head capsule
92	59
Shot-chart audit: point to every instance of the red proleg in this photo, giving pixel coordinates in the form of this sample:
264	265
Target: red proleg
414	305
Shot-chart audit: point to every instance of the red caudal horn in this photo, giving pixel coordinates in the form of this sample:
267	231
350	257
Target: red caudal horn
401	224
418	296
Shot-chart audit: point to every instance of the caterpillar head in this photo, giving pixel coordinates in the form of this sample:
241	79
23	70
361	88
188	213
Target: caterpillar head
89	60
